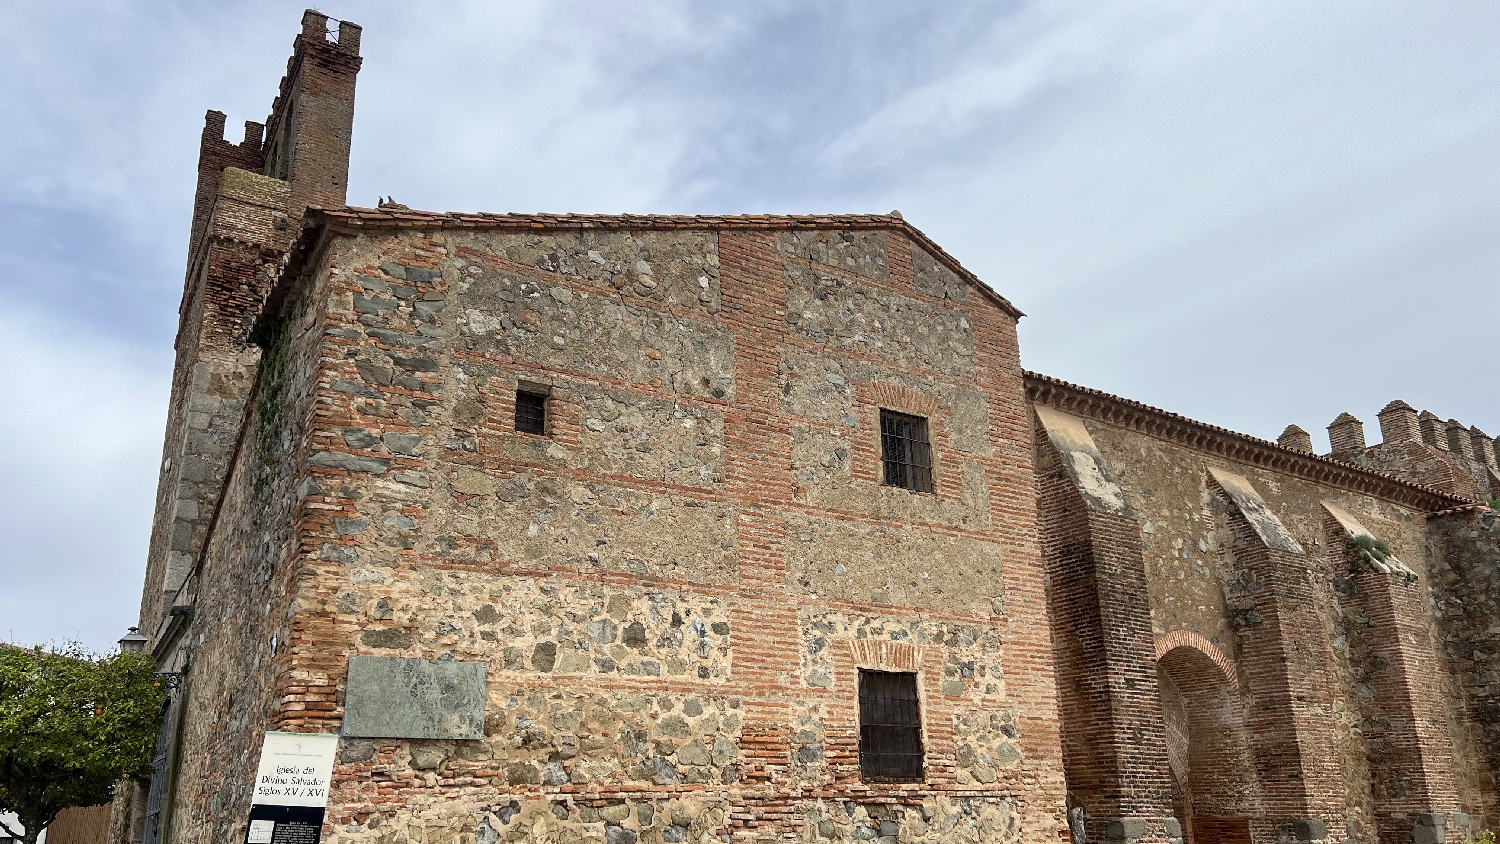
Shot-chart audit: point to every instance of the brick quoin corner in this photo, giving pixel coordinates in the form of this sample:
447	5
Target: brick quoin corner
1122	625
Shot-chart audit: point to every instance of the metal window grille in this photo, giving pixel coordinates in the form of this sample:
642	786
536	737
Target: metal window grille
531	412
905	451
157	791
890	727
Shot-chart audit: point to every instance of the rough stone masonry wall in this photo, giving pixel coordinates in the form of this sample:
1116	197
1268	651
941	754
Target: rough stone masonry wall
213	370
1466	552
674	588
242	641
1196	588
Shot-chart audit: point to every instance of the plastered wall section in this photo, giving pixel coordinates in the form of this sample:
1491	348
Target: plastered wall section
675	587
1195	586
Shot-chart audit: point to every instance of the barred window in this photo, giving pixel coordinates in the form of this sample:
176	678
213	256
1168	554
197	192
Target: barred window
905	451
531	412
890	727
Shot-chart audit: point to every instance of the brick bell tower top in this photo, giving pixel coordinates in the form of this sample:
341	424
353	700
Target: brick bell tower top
249	203
312	118
304	142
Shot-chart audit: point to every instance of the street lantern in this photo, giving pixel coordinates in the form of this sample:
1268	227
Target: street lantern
133	641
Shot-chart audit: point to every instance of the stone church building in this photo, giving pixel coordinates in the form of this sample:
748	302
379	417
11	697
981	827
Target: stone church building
659	529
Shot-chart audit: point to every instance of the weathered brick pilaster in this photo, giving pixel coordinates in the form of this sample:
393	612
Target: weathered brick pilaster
1411	755
1288	666
757	476
1114	739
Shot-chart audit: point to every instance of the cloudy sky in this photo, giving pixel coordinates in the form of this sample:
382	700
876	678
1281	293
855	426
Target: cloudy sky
1253	214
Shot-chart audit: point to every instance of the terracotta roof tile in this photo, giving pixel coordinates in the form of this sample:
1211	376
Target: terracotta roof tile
1173	426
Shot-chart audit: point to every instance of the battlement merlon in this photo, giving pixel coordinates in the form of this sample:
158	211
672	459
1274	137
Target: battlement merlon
1434	430
1346	435
315	28
1398	424
214	155
311	123
1484	447
213	131
1296	438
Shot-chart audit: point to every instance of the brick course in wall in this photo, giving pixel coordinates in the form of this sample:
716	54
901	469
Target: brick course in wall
1125	625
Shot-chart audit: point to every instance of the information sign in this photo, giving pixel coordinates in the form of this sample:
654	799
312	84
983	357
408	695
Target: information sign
291	788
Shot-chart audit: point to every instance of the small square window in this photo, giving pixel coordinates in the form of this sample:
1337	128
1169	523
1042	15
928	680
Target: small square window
890	727
905	451
531	412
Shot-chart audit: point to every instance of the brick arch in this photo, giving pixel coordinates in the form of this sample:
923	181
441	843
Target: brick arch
1214	749
900	397
1200	643
884	655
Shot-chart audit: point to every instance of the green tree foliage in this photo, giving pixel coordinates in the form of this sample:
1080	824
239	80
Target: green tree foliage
72	724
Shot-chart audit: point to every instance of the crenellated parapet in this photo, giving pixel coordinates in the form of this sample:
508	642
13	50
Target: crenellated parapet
1418	447
1422	447
312	118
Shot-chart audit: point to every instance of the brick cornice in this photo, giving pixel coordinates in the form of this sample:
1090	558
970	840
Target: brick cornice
1231	445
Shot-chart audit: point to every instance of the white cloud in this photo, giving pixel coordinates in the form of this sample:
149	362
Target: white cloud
81	428
1019	61
1147	191
1254	213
